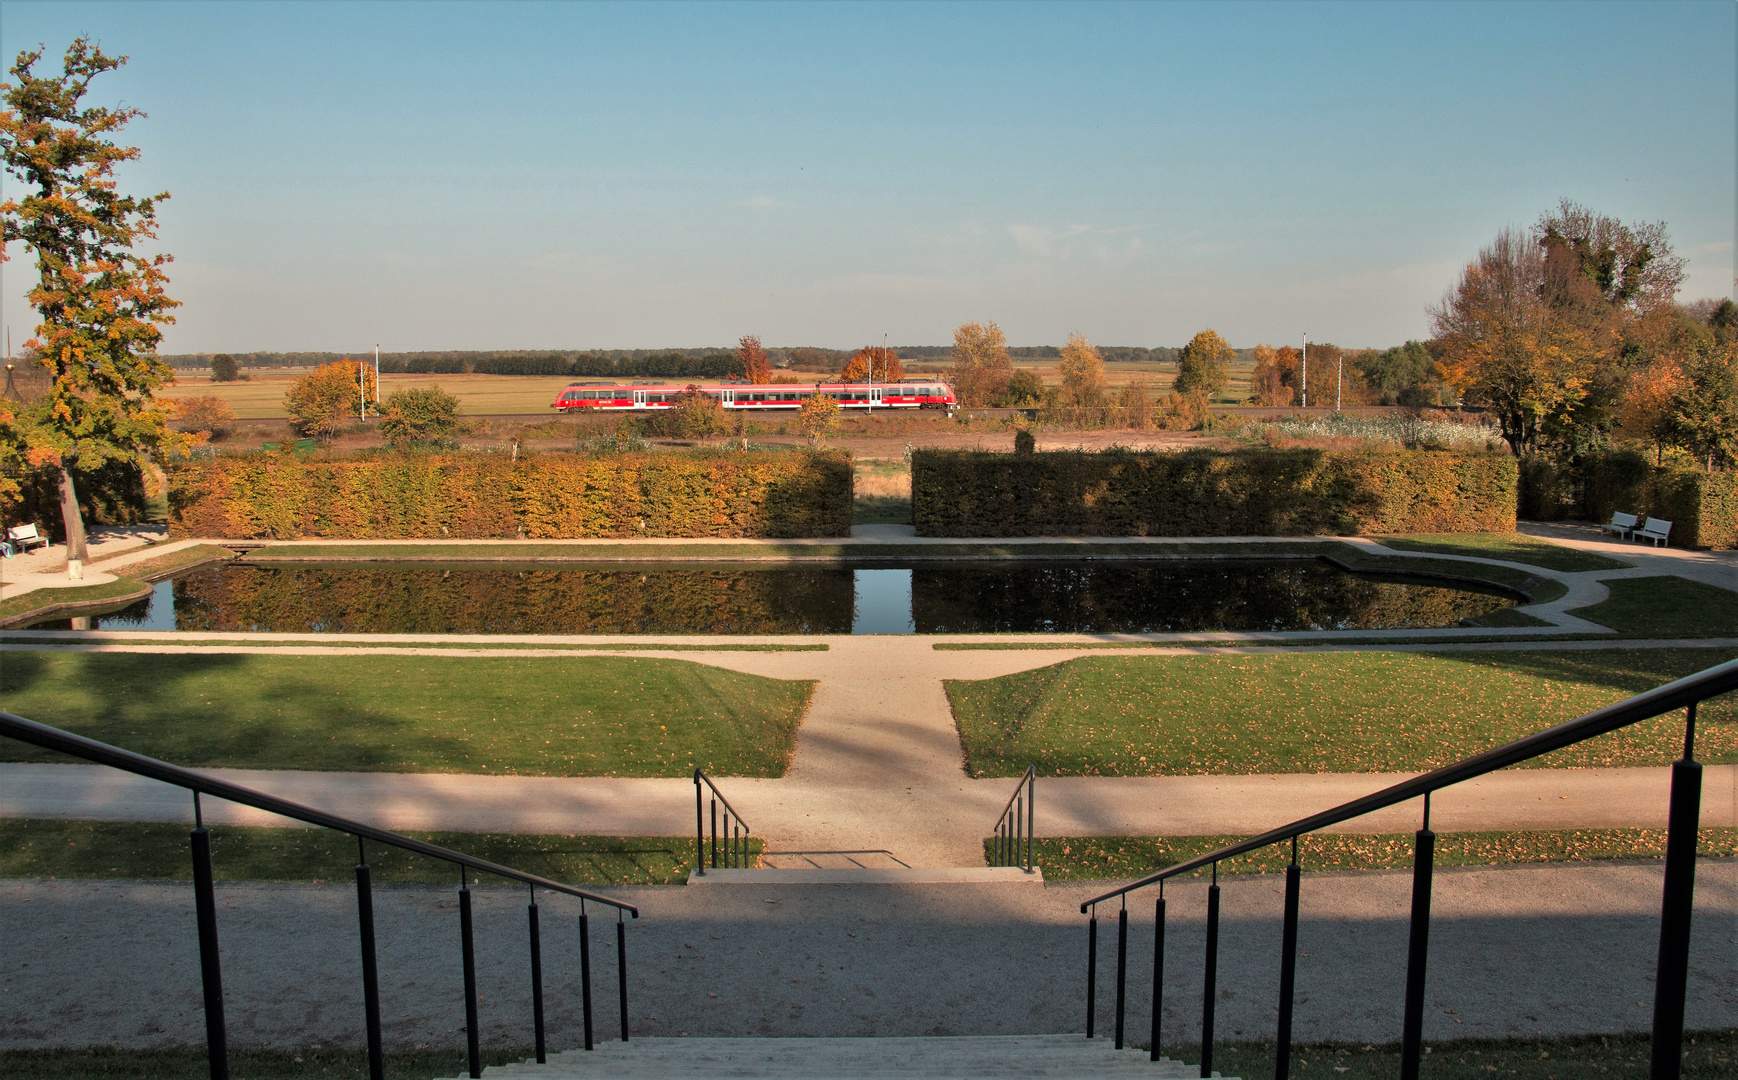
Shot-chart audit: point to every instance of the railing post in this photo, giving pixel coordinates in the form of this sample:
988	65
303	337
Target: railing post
1031	800
1672	972
536	978
585	971
1091	971
472	1047
622	970
1210	986
370	972
210	965
699	828
1417	950
1158	968
712	805
1287	969
1121	968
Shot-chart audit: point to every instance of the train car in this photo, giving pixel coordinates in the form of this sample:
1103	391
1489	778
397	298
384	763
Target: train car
916	393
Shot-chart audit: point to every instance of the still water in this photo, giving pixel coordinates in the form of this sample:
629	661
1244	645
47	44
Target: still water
724	598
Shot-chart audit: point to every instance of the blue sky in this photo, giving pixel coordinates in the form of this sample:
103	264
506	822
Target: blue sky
563	175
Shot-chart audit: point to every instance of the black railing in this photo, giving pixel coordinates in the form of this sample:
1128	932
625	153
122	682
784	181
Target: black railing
735	835
1012	843
1672	969
65	742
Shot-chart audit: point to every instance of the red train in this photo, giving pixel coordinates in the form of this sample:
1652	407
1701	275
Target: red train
629	397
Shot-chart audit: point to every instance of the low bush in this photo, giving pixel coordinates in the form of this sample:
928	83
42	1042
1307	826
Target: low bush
1206	493
547	496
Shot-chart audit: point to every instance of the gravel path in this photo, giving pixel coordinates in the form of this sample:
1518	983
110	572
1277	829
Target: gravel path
1514	951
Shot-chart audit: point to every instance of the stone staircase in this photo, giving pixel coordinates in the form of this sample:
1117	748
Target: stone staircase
962	1057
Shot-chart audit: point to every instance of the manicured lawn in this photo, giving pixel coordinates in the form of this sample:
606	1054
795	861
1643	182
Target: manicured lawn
1707	1056
544	716
157	851
1510	547
1666	607
1096	858
245	1063
1320	712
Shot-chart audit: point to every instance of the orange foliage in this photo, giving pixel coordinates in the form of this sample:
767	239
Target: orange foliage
756	368
881	365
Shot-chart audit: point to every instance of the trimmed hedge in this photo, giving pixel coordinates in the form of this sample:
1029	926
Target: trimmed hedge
1207	493
546	496
1702	507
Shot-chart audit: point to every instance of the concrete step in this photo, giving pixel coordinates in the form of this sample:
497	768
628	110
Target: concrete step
953	1057
898	875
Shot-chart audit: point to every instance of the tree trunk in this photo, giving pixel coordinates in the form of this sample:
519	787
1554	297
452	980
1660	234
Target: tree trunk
71	518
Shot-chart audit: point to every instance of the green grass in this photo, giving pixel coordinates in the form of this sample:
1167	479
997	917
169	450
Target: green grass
1666	607
1320	712
158	851
881	510
1708	1055
1507	617
191	1063
547	716
1510	547
1096	858
337	642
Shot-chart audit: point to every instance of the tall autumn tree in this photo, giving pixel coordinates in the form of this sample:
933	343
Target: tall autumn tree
102	304
873	363
982	368
1204	365
756	367
1082	370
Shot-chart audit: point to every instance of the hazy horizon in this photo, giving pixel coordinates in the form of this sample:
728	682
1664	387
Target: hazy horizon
463	176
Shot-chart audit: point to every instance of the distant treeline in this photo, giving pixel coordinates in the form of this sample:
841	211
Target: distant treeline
674	363
604	363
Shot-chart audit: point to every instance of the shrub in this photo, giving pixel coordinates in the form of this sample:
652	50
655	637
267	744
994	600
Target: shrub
111	495
329	397
1205	493
419	415
695	415
554	496
1702	507
1547	489
208	414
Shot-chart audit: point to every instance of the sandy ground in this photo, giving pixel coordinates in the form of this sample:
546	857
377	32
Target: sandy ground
1517	951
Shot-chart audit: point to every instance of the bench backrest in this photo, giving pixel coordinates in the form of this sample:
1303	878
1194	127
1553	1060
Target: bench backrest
1657	526
1627	521
22	532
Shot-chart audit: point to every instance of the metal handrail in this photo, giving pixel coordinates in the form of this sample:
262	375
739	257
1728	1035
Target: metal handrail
52	738
210	959
1012	841
1643	706
1676	906
735	844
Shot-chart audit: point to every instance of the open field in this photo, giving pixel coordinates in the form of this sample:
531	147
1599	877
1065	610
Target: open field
116	850
556	716
1101	858
1320	712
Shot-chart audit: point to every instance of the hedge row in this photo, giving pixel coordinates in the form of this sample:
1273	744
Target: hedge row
1702	507
548	496
1205	493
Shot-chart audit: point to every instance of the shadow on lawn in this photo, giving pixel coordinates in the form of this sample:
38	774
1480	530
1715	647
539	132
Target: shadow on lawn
214	710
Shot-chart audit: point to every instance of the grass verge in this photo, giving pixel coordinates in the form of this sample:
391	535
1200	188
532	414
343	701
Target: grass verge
548	716
340	642
35	848
1510	547
289	1063
1321	712
1707	1055
1666	607
1098	858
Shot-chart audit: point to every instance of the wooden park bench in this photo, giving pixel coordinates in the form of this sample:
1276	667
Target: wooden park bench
1622	525
1656	529
25	537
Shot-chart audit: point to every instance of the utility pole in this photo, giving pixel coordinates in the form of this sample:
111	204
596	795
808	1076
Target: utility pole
376	374
1306	371
1339	381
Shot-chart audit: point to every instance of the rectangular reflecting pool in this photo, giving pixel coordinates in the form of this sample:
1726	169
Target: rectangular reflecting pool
1019	597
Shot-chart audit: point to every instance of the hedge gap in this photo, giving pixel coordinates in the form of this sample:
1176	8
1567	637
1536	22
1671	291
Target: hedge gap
541	496
1208	493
